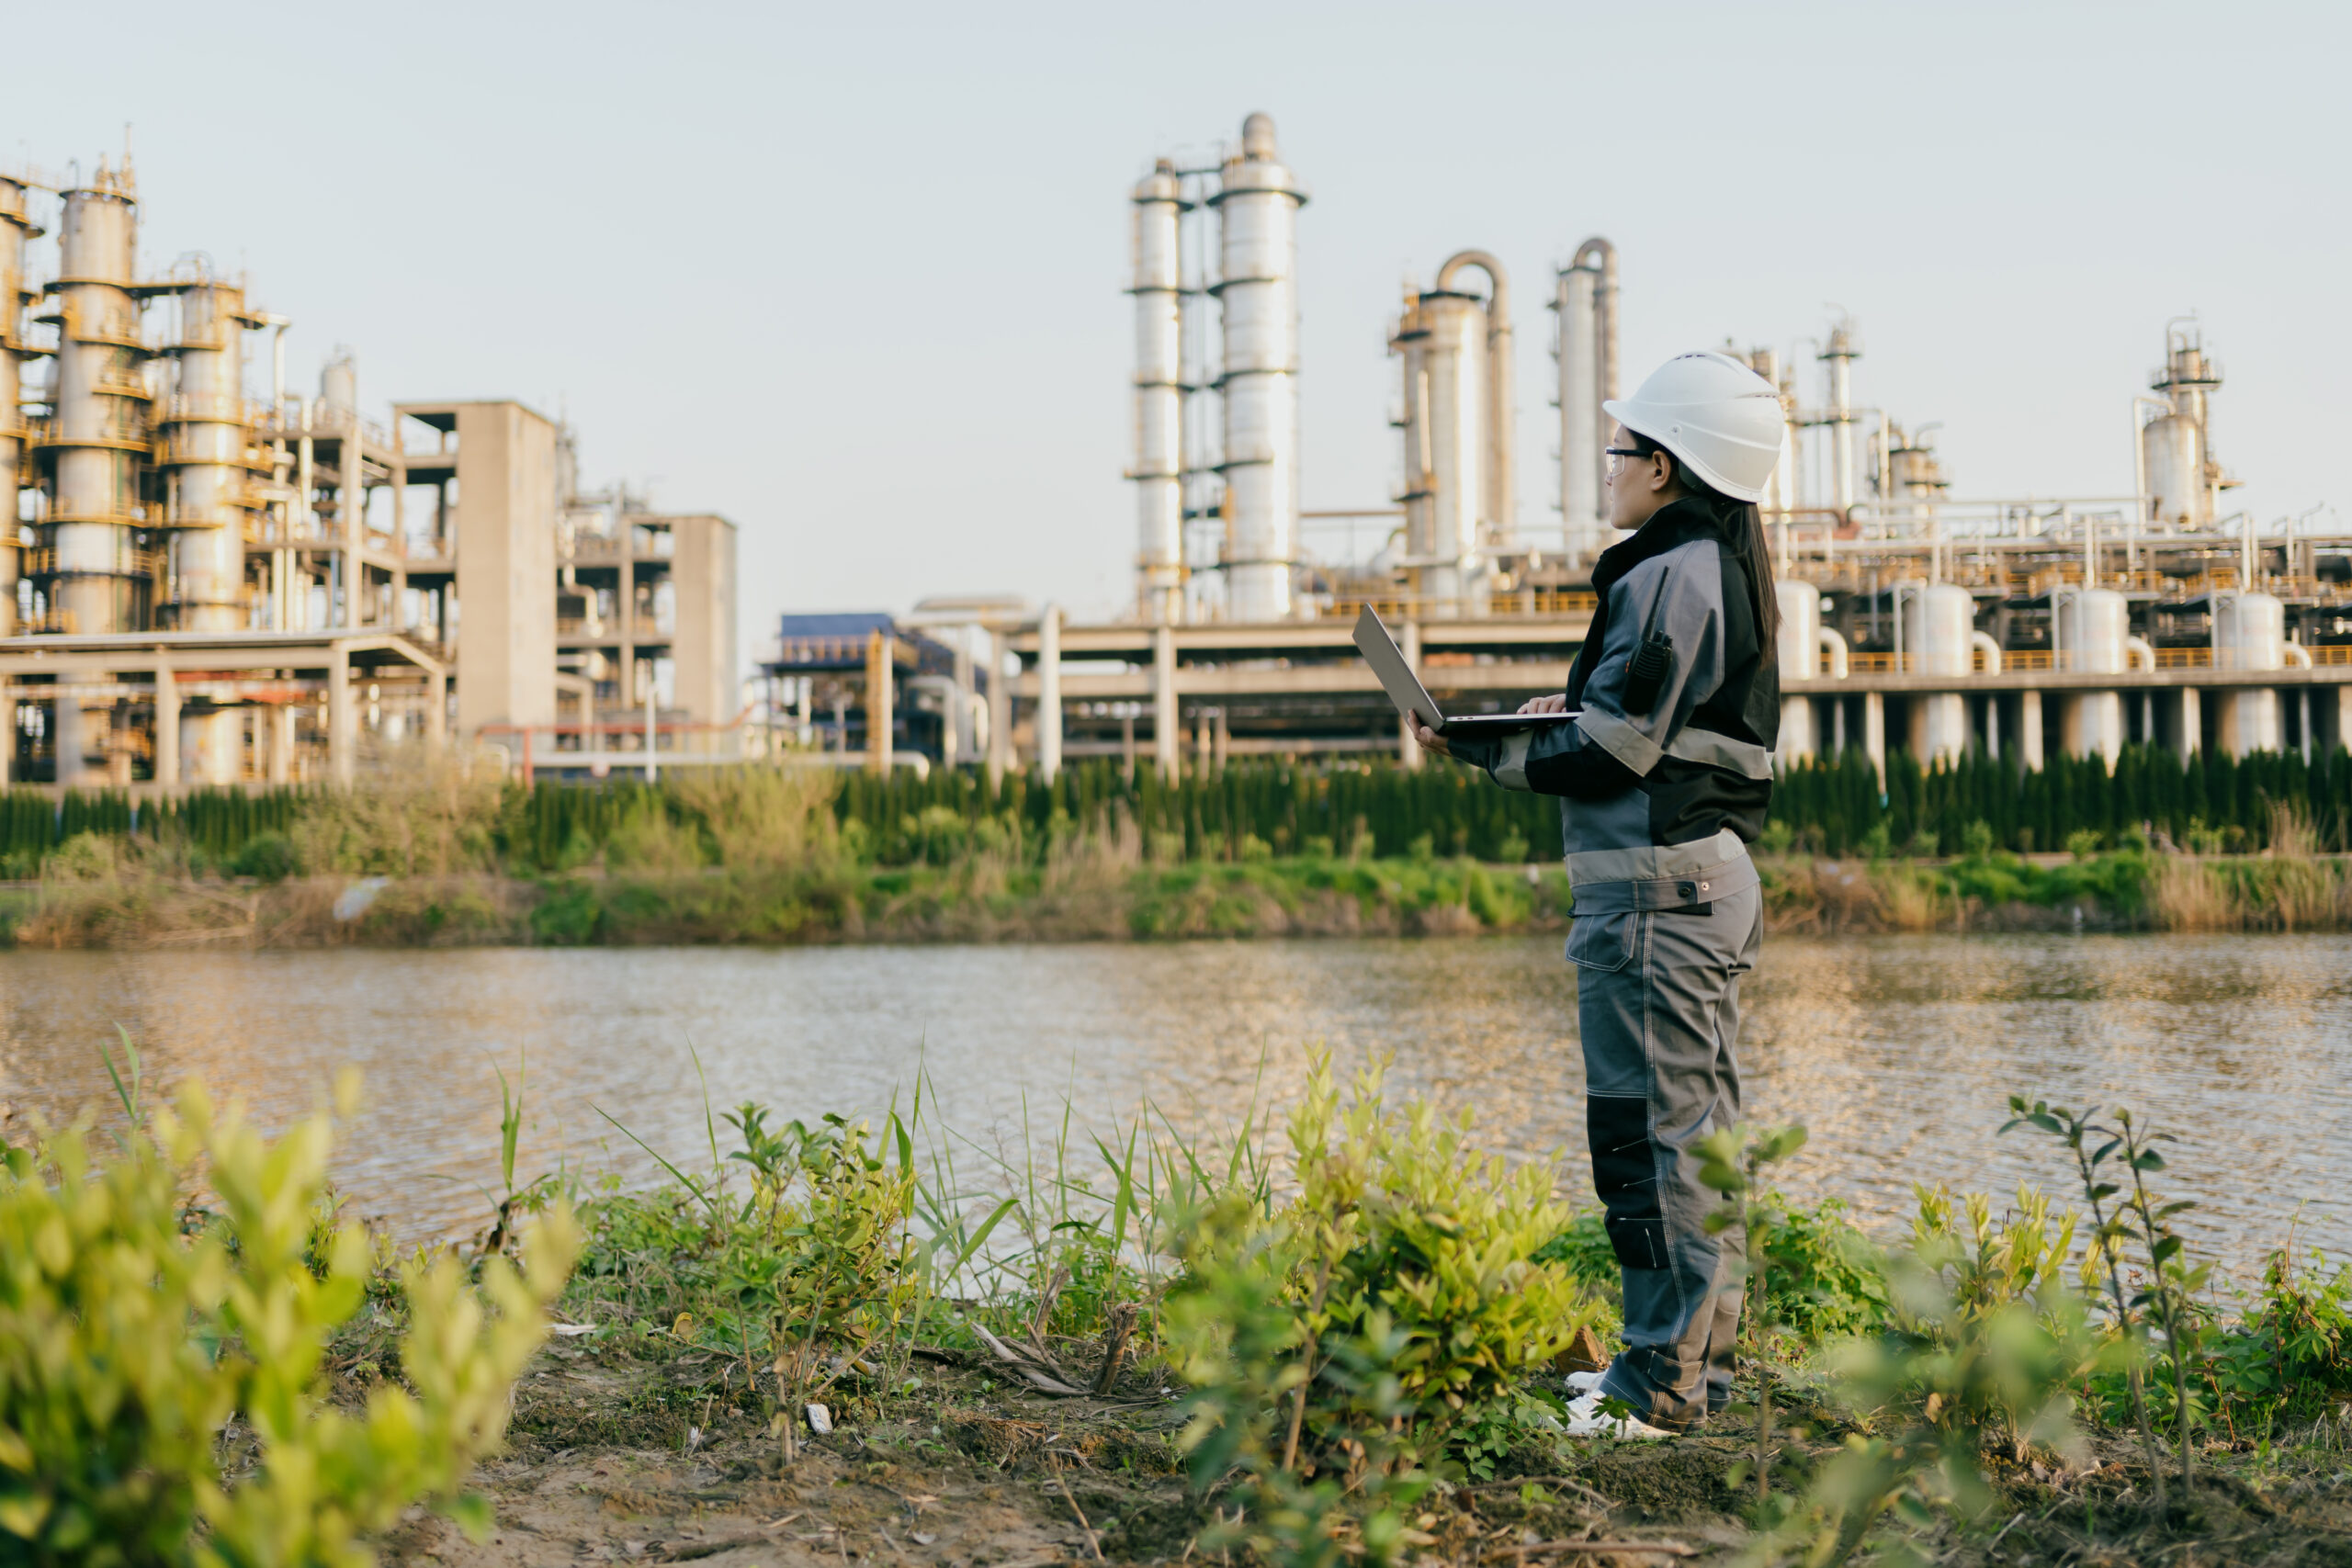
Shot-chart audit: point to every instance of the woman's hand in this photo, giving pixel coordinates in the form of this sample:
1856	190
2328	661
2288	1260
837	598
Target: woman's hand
1431	740
1556	702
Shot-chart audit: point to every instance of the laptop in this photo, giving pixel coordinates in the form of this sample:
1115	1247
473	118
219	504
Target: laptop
1412	698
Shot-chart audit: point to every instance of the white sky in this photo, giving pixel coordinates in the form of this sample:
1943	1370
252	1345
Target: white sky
851	275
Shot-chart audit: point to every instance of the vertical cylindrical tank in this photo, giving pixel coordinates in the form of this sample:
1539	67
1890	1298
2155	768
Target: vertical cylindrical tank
2092	627
1258	201
1845	346
1157	284
206	457
1799	655
1586	350
1939	620
1442	339
2172	448
339	382
2249	634
15	228
2249	631
1938	623
97	577
1498	500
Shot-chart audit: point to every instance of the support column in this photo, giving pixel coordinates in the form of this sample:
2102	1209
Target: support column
1875	734
1000	712
340	764
281	742
878	718
1993	726
351	513
1219	742
1201	742
167	730
1049	693
2192	722
437	711
2331	712
2030	731
1409	751
1166	742
960	721
8	733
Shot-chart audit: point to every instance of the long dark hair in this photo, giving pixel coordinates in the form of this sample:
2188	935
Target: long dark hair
1742	525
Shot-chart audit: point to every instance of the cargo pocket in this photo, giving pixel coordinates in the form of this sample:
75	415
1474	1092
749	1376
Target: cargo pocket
1602	942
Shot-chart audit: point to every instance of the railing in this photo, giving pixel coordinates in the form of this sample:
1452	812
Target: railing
41	561
1879	663
217	408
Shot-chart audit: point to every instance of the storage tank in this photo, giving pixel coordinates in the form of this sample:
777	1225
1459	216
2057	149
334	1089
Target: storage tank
2250	634
2172	448
1800	659
1938	621
2093	624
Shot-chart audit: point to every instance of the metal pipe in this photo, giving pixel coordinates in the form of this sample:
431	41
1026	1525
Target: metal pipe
1983	643
1833	643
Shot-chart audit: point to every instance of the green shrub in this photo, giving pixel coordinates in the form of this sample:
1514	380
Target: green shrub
1401	1292
266	857
133	1327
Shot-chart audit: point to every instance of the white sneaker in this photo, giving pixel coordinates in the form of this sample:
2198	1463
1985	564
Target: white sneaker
1586	1419
1584	1383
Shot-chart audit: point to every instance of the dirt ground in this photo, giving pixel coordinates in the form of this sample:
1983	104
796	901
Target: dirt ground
614	1460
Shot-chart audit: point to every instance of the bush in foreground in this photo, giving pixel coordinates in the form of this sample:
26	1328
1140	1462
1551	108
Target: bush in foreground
144	1339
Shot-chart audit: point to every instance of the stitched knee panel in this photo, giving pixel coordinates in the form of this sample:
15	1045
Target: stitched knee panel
1625	1172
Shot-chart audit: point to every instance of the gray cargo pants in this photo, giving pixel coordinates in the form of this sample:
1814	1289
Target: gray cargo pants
1657	1005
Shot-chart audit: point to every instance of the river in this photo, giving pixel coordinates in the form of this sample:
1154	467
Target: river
1899	1053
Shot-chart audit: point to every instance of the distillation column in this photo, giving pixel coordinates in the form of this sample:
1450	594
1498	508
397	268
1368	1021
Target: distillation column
1158	288
206	453
97	441
1499	513
1844	347
15	229
1453	457
1586	350
2176	453
1258	202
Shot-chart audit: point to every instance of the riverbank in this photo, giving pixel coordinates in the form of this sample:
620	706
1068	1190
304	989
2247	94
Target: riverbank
91	900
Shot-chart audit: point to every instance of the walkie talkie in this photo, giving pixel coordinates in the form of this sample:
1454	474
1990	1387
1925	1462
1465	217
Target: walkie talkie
1652	662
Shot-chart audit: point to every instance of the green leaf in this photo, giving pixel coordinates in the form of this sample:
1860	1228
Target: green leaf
23	1513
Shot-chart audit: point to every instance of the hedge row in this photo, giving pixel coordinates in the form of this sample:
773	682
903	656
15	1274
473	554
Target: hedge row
1257	809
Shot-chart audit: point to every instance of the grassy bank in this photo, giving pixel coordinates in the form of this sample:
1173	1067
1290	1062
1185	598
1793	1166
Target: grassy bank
437	854
95	899
1339	1338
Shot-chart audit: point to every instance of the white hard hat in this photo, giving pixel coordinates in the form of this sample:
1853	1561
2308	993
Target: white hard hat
1713	414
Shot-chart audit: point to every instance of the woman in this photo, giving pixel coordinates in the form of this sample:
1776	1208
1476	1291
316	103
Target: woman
1664	777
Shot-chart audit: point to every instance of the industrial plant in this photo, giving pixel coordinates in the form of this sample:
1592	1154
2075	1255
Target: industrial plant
1913	619
200	586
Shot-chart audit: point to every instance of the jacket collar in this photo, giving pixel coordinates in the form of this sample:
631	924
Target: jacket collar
1675	523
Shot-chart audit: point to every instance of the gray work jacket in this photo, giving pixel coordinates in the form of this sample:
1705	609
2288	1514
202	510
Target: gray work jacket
1660	794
